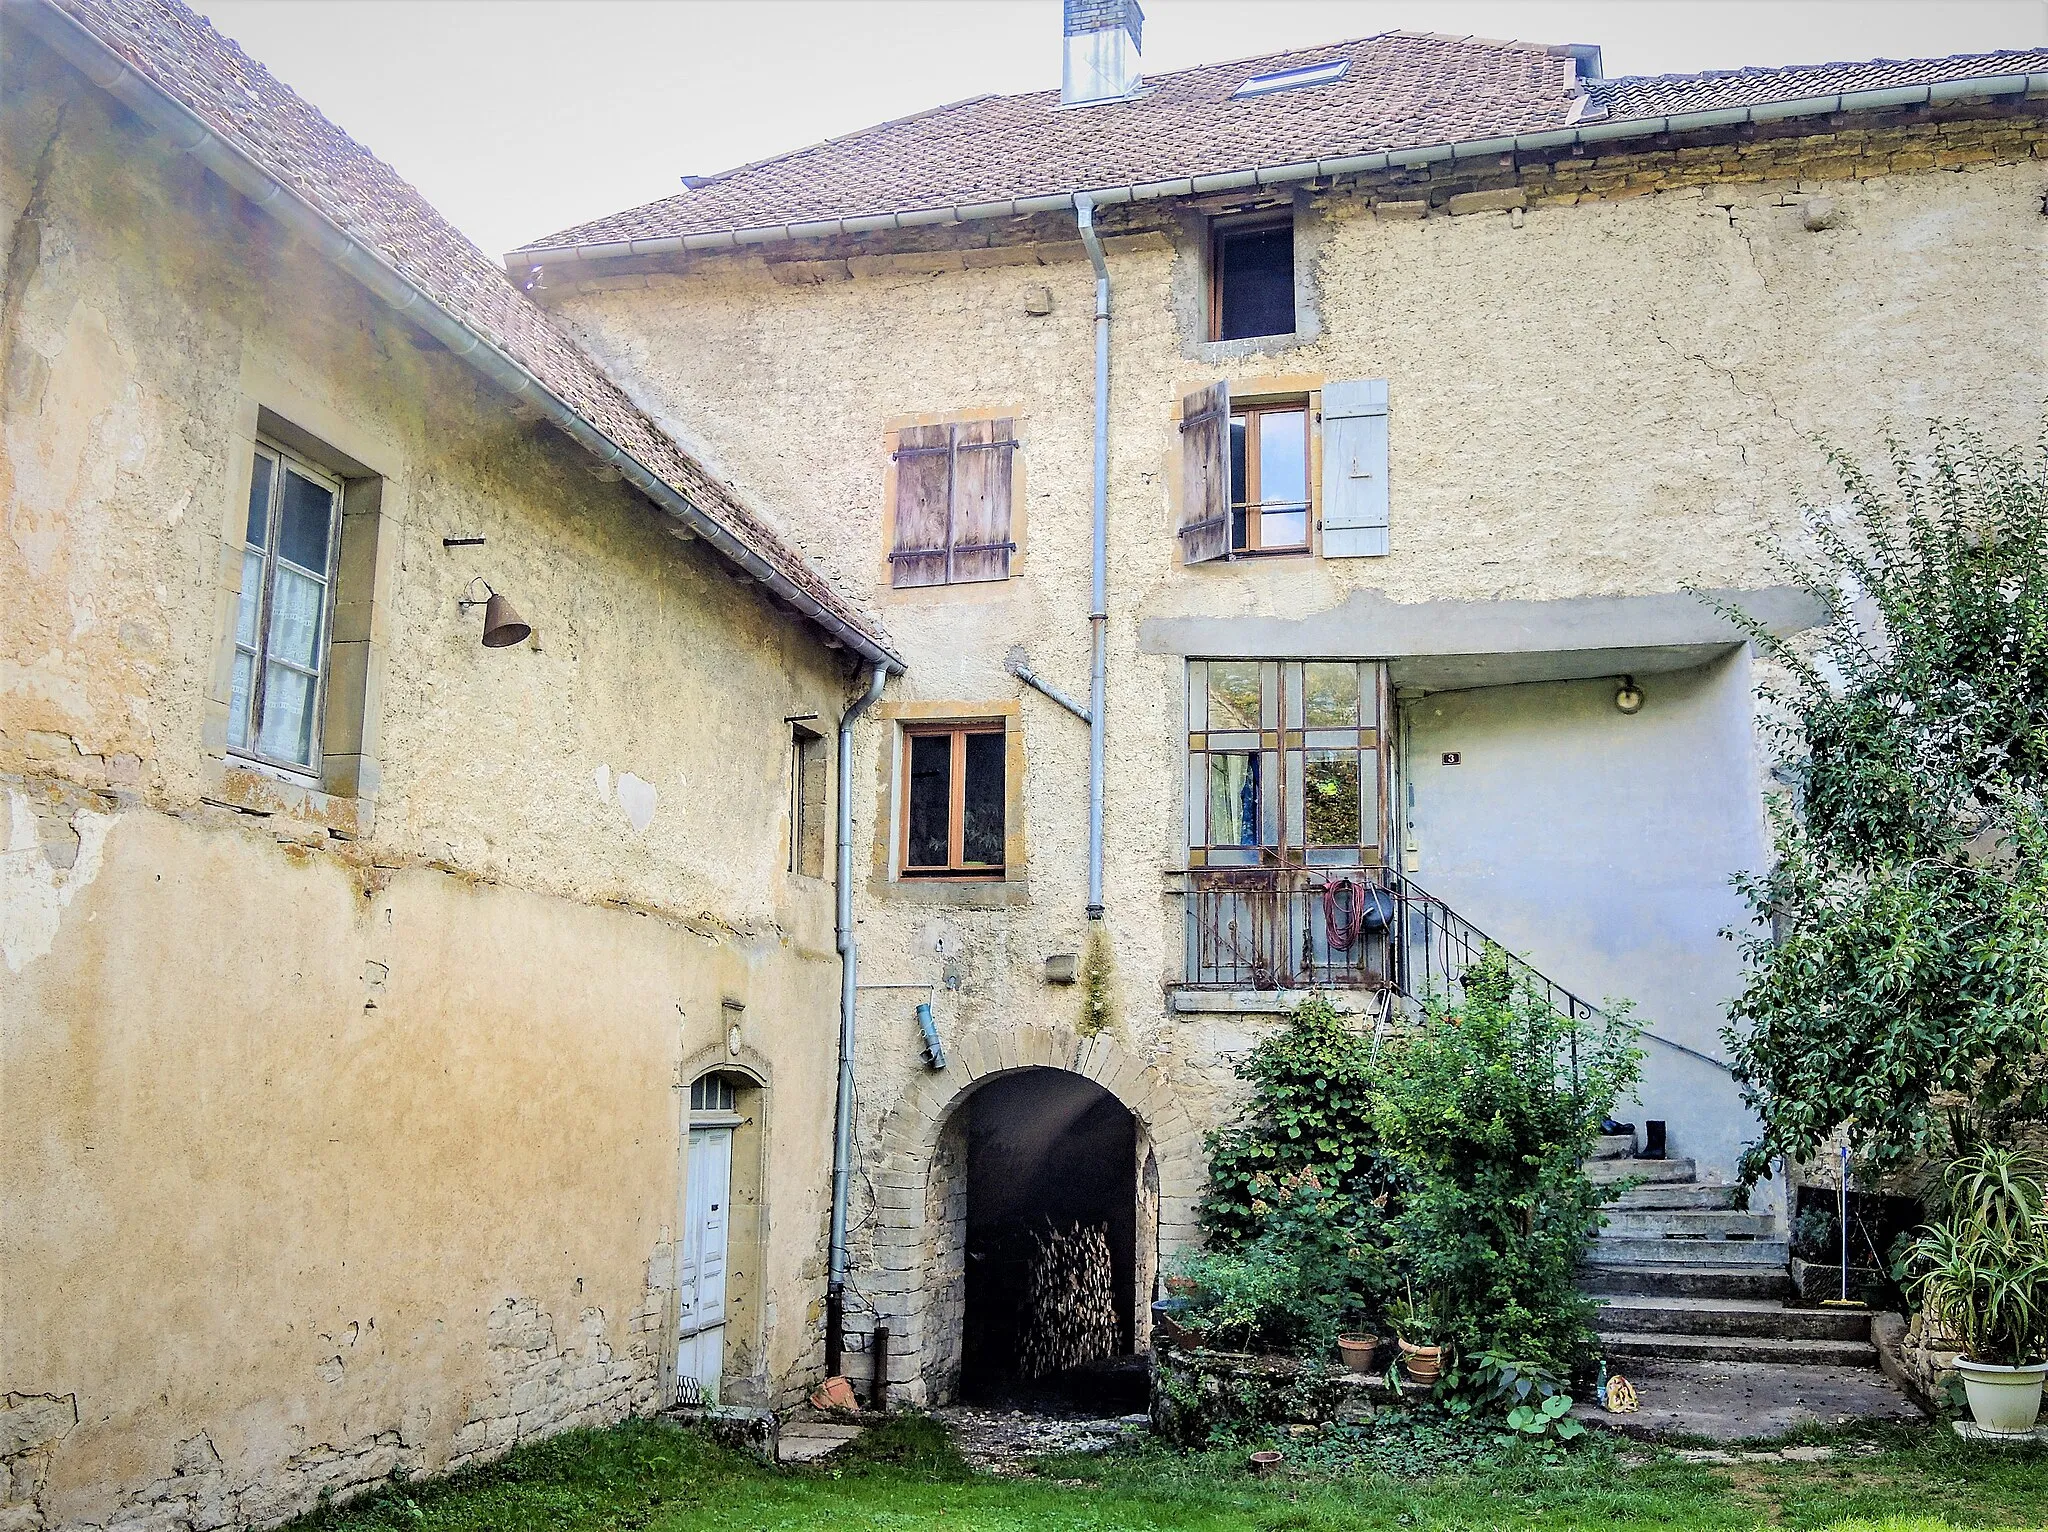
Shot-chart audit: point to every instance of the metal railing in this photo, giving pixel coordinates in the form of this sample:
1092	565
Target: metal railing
1288	928
1272	928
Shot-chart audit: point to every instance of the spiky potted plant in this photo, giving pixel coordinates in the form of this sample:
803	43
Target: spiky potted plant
1982	1276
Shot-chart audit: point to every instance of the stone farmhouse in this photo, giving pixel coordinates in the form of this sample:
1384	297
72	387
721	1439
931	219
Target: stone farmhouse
612	828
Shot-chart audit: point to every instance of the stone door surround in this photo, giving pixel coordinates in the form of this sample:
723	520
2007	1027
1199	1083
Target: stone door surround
897	1281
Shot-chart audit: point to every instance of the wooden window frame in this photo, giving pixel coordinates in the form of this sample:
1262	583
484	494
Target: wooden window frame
957	869
1222	229
1253	414
1284	742
284	458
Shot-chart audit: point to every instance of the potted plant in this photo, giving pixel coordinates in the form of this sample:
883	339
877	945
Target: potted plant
1358	1351
1982	1276
1418	1323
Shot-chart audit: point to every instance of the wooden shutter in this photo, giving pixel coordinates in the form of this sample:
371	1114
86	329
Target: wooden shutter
1205	474
1355	469
982	454
924	506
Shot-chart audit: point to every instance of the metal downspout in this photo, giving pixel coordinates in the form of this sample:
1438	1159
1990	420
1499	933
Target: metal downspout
1098	613
849	962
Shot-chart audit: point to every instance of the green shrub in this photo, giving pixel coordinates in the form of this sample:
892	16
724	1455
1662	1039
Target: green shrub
1449	1167
1485	1113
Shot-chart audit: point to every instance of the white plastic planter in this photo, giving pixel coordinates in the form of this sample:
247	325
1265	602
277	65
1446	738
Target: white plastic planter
2005	1401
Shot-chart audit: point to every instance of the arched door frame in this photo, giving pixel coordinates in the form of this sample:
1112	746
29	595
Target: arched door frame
895	1281
746	1249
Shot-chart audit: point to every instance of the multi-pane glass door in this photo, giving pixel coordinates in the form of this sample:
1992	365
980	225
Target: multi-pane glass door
1285	763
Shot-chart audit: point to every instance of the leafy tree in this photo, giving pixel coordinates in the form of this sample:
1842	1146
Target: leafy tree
1898	961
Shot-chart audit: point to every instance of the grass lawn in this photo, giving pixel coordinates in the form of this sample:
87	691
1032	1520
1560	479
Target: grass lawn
904	1476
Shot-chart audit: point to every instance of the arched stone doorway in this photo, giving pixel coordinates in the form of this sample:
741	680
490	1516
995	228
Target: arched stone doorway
916	1278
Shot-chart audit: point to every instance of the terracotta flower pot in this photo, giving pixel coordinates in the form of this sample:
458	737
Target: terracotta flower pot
1421	1364
1265	1462
1358	1351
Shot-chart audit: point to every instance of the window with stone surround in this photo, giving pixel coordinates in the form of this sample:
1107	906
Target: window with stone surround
306	555
807	772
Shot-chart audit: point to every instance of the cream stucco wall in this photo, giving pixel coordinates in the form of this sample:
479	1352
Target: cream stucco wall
1608	399
344	1132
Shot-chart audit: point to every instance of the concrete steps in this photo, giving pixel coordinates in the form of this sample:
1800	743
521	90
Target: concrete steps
1608	1171
1689	1223
1674	1195
1738	1348
1660	1314
1702	1281
1660	1250
1684	1275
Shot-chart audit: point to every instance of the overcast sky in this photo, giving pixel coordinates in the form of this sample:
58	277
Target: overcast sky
520	117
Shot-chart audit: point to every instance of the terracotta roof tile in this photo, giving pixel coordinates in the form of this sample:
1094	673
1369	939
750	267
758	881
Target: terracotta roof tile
185	58
1403	90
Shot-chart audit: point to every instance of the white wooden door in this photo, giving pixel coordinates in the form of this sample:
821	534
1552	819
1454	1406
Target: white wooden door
700	1275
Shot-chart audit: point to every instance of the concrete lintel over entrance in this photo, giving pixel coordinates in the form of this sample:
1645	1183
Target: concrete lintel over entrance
1455	645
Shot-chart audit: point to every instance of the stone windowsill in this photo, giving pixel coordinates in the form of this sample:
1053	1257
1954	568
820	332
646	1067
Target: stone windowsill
1187	1001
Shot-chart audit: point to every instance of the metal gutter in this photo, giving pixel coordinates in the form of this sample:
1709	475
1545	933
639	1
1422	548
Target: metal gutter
1098	610
1588	131
189	134
849	991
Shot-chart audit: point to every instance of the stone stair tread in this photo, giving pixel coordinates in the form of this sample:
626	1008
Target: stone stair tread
1657	1196
1654	1313
1632	1278
1723	1305
1602	1172
1689	1221
1752	1348
1658	1250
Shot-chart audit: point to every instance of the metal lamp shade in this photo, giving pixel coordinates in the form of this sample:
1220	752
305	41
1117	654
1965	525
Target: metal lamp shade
503	627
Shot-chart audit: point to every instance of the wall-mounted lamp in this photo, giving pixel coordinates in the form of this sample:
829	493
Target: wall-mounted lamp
503	627
1629	698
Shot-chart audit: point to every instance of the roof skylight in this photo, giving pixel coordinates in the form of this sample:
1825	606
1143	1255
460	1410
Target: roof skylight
1293	79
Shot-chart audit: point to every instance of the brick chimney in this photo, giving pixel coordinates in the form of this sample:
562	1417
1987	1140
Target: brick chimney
1102	45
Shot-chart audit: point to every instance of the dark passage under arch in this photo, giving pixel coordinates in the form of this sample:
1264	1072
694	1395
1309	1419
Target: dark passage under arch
1051	1177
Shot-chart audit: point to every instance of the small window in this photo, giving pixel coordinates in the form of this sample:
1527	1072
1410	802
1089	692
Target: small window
1269	480
953	503
806	802
713	1093
954	801
1251	279
282	622
1292	79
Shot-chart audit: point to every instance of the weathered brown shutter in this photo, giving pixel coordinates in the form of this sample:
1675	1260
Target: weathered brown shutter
1205	474
982	454
924	500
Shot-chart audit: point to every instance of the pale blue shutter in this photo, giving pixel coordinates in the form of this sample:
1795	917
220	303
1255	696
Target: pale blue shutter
1355	469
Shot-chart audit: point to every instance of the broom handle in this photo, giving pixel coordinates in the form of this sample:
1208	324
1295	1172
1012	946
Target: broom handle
1845	1223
